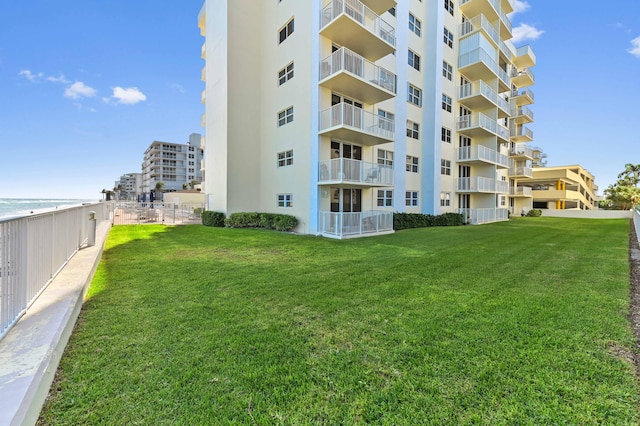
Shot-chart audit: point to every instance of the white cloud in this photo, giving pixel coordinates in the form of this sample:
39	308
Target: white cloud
79	90
178	88
635	47
30	76
59	79
128	95
525	32
520	6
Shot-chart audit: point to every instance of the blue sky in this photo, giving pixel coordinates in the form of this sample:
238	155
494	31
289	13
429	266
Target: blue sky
87	85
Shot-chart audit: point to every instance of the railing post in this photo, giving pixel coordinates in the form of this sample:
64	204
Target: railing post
91	238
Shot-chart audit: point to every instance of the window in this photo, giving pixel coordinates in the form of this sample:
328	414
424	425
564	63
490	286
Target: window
285	74
411	198
445	199
392	11
285	158
448	38
445	167
503	201
414	60
415	25
385	197
413	130
446	103
191	149
285	116
447	71
385	157
192	163
386	120
415	95
448	6
286	31
446	135
192	156
285	200
412	164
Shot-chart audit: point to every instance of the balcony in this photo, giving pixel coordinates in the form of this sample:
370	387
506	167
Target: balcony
521	172
482	184
522	78
522	97
203	73
492	9
345	172
521	191
203	97
203	51
521	134
477	95
347	72
355	224
480	65
524	57
479	216
478	124
521	152
480	153
351	24
480	23
203	123
379	6
522	115
350	123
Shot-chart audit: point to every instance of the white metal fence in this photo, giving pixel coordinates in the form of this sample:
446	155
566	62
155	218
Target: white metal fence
33	249
134	213
356	223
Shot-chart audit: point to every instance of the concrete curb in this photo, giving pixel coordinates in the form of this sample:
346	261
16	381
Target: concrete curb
31	351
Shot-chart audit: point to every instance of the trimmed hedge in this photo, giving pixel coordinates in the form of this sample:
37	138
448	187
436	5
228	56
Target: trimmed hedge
211	218
534	213
279	222
417	220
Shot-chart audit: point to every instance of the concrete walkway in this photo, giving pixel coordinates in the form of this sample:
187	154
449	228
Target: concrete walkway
31	351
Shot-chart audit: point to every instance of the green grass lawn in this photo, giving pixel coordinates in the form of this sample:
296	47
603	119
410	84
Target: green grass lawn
520	322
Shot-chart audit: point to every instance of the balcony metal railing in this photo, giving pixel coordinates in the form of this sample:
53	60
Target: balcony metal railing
520	150
344	59
355	171
361	14
340	225
522	111
522	191
343	114
480	55
482	121
33	249
521	131
525	71
521	171
480	152
522	92
498	10
482	184
478	216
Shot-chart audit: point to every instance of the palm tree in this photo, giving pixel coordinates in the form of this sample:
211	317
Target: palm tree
630	175
158	189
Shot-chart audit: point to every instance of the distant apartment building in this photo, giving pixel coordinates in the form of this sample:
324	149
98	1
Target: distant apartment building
563	188
173	164
129	186
342	112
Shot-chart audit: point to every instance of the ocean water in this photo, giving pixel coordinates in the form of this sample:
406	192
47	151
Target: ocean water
12	207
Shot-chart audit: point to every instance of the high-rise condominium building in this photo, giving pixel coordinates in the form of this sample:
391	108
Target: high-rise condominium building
173	164
341	112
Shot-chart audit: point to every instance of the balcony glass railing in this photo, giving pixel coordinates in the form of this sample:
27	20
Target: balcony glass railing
361	14
343	114
355	171
344	224
344	59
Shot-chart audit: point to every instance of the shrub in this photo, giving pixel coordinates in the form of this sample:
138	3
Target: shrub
534	213
243	220
280	222
285	222
417	220
211	218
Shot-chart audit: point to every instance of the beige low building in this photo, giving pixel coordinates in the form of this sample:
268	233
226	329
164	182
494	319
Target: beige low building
563	188
187	196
